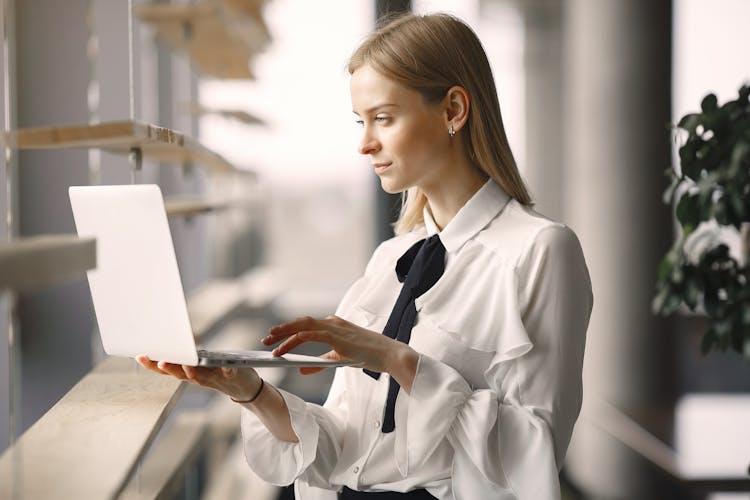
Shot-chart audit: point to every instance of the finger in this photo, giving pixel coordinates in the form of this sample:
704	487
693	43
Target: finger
193	374
172	369
286	330
154	367
299	339
148	364
202	375
310	370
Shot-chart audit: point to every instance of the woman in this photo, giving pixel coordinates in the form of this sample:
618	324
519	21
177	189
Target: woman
472	380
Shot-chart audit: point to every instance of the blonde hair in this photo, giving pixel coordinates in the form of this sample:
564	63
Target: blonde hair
431	54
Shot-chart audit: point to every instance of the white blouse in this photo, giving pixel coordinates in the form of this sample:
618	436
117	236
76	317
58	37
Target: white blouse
498	385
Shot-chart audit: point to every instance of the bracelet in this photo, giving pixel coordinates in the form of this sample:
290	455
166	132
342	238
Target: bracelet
260	389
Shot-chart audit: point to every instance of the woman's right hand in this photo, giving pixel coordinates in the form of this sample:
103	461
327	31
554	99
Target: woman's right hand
240	384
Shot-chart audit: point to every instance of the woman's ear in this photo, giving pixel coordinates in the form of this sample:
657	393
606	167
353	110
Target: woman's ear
457	107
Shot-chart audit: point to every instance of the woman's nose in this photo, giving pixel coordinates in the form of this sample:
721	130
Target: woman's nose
368	144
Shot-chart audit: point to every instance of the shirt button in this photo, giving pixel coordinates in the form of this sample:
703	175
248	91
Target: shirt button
355	469
377	424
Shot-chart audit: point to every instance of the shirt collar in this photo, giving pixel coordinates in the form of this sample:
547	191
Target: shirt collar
481	208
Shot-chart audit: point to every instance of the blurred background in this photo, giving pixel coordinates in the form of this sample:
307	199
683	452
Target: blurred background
588	90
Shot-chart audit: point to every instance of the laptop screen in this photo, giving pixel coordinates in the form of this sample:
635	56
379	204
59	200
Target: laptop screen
136	288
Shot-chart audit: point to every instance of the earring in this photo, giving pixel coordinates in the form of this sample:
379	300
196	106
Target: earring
451	131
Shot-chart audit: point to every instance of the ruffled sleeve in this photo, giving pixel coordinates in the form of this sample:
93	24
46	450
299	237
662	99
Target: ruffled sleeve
509	436
319	429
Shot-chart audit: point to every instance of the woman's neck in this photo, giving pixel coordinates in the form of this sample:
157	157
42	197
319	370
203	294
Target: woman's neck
452	193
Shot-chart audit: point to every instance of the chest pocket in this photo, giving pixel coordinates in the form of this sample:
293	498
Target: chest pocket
367	319
373	306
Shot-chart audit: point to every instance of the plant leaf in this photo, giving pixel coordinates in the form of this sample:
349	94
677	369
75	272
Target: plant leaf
709	103
688	211
689	161
689	122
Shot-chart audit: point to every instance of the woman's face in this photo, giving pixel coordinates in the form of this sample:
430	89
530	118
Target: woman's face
405	138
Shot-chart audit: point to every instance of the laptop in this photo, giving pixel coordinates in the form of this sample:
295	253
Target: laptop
136	288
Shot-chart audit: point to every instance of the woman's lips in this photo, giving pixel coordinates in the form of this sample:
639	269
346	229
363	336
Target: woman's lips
381	167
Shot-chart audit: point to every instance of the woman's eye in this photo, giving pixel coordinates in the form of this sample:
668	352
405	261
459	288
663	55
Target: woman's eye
378	119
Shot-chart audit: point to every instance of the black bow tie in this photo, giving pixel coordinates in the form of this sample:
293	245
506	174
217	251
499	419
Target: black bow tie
418	269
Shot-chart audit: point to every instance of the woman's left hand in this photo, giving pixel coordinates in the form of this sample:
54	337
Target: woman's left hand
350	342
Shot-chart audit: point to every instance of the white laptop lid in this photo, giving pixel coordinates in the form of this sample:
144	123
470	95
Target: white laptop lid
136	287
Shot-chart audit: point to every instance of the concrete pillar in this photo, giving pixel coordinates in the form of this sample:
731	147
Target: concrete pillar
544	99
616	107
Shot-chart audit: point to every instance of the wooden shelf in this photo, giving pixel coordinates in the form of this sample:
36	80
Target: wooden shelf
42	261
189	206
231	114
244	21
163	471
88	444
220	37
186	207
157	143
234	479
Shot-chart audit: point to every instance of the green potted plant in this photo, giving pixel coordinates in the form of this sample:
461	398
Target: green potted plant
710	191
